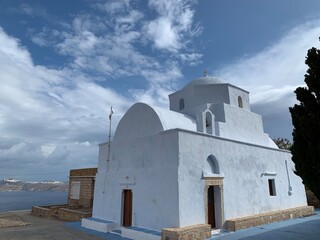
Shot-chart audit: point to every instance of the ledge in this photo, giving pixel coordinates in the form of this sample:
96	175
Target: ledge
265	218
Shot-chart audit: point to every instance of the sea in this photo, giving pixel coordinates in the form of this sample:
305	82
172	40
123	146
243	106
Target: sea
10	201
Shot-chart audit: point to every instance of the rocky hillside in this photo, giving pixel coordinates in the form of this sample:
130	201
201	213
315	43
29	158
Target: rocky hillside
10	184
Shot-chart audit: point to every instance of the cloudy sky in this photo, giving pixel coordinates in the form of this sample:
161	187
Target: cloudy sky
64	63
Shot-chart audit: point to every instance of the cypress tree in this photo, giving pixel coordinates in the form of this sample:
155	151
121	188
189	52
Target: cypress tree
306	122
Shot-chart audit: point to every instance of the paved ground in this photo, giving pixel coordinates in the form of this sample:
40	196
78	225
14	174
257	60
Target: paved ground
22	225
307	228
38	228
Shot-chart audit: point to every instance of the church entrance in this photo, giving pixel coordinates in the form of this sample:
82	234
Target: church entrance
213	198
211	210
127	208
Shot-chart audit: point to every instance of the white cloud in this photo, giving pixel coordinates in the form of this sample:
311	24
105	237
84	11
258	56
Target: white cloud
54	118
110	45
280	64
191	59
33	10
10	47
47	149
46	113
164	35
113	6
172	28
273	74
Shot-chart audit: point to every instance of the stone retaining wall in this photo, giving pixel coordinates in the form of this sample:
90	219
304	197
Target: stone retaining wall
194	232
66	214
62	212
46	211
265	218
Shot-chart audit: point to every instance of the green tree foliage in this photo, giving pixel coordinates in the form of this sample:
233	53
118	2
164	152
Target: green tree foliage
306	122
283	143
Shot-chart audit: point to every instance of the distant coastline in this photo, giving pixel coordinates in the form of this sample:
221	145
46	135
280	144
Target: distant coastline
14	185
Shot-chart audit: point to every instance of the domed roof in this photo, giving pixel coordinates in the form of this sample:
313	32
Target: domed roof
142	120
206	80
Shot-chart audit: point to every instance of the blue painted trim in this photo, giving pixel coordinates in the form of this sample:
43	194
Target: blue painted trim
106	236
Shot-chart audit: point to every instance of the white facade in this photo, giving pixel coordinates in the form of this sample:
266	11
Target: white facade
169	158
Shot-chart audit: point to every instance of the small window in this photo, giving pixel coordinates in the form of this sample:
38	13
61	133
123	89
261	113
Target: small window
240	104
75	190
272	187
181	104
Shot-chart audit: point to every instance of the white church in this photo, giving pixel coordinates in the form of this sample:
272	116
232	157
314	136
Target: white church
204	164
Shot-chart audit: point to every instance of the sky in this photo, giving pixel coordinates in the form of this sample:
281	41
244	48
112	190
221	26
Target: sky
63	64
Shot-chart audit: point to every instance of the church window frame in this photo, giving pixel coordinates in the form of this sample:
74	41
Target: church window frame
240	102
181	104
272	187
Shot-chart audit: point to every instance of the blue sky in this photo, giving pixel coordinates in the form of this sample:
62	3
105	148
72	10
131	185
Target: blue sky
64	63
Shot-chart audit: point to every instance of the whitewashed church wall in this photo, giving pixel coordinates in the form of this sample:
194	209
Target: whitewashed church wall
243	126
234	93
246	190
174	100
151	175
210	94
191	184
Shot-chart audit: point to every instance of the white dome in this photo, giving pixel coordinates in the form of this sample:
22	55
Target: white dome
204	81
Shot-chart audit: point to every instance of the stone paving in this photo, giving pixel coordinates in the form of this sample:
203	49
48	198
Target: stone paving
38	228
20	225
300	228
8	219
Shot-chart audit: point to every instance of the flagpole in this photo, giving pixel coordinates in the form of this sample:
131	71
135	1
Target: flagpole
108	156
109	144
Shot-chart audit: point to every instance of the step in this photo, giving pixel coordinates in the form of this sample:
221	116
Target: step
138	233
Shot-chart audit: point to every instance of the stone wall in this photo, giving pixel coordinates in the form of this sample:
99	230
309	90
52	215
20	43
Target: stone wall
265	218
194	232
86	178
83	172
47	211
71	215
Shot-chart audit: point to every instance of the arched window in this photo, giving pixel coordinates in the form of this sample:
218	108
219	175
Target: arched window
208	123
181	104
213	164
240	104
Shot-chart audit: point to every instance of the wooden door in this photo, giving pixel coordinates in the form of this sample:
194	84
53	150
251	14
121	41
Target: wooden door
127	208
211	213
